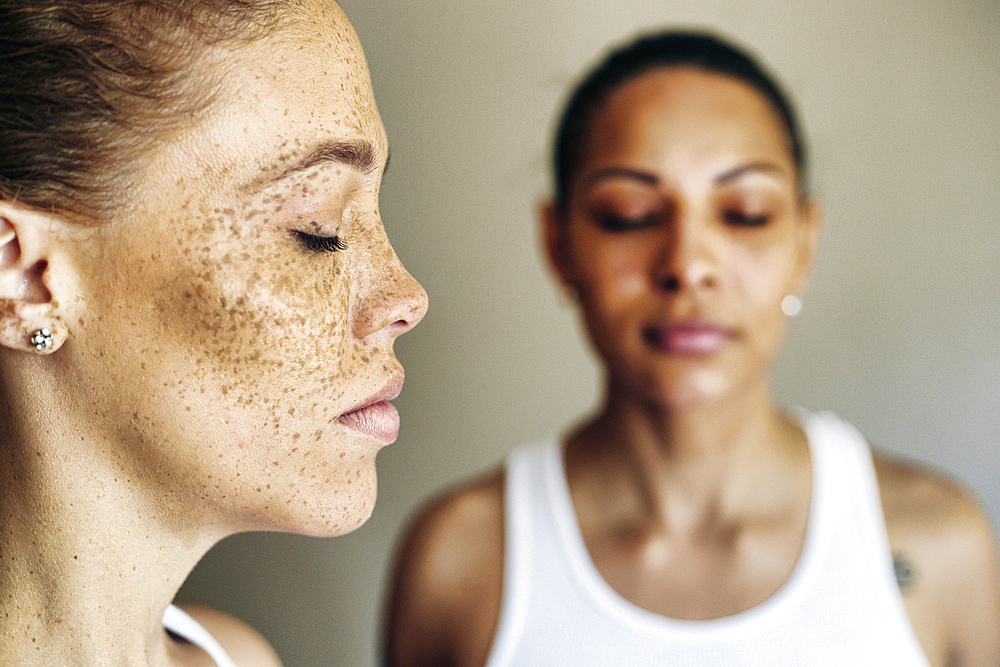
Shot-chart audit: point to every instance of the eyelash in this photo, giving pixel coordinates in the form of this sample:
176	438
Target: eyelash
744	220
616	223
321	243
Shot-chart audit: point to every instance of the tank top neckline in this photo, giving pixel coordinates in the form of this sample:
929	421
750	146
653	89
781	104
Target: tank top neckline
769	611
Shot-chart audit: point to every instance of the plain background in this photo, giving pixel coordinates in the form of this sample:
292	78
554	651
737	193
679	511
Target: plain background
900	332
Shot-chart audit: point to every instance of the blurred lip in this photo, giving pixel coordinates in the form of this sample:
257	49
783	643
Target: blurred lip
376	417
688	338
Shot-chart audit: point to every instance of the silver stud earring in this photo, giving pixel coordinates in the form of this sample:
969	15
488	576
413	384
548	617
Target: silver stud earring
791	305
42	340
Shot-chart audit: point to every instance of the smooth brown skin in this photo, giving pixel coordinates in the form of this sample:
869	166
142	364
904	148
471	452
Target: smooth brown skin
691	487
203	356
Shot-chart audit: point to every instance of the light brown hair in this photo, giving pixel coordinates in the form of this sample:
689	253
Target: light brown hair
86	86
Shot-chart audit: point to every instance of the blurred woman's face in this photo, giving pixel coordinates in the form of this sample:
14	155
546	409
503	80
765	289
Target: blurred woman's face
684	231
235	326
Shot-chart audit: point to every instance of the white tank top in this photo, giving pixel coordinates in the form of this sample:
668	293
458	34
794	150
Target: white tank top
841	605
181	624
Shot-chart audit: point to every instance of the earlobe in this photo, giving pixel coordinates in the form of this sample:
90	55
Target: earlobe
29	320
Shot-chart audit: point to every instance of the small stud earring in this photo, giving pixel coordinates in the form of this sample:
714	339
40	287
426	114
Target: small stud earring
42	340
791	305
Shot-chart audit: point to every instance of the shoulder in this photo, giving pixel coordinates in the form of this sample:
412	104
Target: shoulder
445	597
456	537
944	548
245	646
925	509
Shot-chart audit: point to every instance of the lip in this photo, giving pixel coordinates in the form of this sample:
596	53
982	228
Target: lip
376	417
690	338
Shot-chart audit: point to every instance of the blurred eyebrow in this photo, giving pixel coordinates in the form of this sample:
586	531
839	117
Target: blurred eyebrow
621	172
359	155
651	179
744	169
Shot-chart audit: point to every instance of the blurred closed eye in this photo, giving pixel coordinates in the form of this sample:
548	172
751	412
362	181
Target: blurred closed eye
617	223
740	219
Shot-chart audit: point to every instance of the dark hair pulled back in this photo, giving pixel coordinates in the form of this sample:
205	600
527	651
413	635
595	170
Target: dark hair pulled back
86	86
675	48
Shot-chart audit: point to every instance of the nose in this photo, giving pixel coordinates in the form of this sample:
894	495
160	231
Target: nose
389	300
687	257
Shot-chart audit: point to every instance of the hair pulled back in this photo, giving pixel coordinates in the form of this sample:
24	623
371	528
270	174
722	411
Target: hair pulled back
86	86
675	48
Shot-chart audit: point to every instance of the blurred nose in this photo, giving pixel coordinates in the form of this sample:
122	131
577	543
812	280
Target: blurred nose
687	259
391	301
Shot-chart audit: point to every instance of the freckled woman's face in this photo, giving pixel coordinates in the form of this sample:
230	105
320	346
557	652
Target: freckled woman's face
234	318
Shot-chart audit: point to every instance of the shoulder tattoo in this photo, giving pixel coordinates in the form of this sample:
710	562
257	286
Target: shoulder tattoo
905	573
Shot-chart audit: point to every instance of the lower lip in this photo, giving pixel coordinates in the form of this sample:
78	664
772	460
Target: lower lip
688	341
379	421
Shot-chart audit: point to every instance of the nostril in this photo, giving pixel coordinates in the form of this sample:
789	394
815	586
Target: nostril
670	283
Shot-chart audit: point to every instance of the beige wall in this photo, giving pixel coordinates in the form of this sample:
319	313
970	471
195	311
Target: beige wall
901	328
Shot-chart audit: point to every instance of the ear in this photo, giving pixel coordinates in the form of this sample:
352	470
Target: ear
27	305
555	234
810	231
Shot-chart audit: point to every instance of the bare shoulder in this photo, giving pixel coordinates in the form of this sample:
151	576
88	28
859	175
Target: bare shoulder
925	508
445	596
245	646
944	550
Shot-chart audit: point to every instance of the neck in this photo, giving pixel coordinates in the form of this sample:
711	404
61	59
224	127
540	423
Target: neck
693	465
688	435
89	559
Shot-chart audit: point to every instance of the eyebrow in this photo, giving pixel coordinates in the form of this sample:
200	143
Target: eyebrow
651	179
742	170
624	172
359	155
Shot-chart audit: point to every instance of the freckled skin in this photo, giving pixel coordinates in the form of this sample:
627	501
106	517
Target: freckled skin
220	350
204	357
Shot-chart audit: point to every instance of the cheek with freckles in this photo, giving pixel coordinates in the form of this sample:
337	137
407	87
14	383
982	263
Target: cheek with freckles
245	362
252	303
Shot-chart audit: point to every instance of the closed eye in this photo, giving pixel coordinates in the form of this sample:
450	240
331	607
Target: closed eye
617	223
321	243
744	220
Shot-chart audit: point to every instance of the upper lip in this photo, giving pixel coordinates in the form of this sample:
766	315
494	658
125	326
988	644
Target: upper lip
388	392
694	324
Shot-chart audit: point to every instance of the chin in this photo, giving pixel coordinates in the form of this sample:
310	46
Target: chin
338	511
319	507
680	389
324	520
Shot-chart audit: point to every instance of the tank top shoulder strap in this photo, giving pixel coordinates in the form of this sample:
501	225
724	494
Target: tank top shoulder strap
524	492
181	624
848	451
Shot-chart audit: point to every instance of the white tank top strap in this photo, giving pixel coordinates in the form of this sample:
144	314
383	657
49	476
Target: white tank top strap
181	624
521	495
855	456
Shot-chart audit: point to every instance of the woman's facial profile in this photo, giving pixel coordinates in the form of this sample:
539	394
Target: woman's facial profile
684	231
234	324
